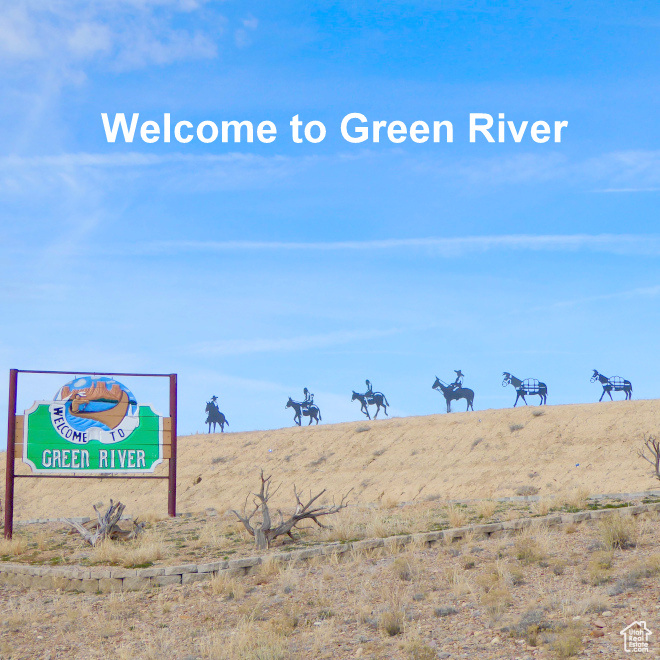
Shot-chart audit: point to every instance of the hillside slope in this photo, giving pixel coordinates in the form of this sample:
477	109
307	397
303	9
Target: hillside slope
461	455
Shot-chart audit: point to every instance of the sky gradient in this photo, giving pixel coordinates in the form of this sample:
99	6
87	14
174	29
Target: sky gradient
253	271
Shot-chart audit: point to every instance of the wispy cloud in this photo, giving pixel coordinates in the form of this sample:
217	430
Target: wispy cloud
446	247
639	292
125	34
614	172
287	344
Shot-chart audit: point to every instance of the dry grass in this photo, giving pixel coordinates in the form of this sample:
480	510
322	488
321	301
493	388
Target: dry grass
392	622
485	509
15	546
416	648
230	586
405	604
619	531
542	507
573	500
248	642
567	643
531	544
447	468
143	551
457	515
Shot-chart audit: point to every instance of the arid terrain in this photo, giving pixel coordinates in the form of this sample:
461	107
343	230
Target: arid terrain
565	591
483	454
540	593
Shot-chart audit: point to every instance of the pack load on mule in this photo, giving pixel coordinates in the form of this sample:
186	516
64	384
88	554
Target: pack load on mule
614	384
455	391
214	416
370	398
526	387
305	408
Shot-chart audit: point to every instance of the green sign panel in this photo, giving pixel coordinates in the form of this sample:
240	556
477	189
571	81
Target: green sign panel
94	425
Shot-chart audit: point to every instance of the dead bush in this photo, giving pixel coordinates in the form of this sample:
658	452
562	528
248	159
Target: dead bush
567	642
392	622
617	531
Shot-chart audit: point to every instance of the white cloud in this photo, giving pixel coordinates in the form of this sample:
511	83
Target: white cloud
446	247
123	34
639	292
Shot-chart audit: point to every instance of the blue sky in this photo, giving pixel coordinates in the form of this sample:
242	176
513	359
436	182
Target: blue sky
256	270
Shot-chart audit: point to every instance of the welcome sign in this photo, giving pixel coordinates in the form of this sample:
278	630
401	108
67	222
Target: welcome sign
93	425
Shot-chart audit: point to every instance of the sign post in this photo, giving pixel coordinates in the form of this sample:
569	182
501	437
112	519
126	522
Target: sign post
93	428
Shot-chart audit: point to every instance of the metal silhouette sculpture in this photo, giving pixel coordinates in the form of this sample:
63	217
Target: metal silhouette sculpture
214	416
306	408
455	391
526	387
616	384
371	398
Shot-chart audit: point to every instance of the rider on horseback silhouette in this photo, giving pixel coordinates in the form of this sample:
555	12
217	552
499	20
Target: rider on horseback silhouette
370	390
309	397
458	383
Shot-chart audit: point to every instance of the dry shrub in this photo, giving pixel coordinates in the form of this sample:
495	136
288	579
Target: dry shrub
496	601
527	491
598	570
285	623
404	568
13	547
542	507
457	515
227	585
457	581
516	576
568	641
389	501
289	578
416	648
575	500
152	517
348	525
617	531
213	535
528	550
41	539
392	621
268	569
118	608
486	509
140	552
247	642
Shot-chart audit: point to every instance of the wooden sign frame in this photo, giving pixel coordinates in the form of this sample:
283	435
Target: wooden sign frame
15	439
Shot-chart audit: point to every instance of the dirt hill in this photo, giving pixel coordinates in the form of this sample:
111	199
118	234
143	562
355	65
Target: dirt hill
490	453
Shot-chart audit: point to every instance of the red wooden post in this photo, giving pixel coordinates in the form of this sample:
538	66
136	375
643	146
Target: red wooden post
11	436
171	496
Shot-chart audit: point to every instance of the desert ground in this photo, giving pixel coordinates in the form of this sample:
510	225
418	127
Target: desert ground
541	593
483	454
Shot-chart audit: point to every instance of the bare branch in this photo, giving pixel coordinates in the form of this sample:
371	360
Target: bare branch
106	526
652	445
265	533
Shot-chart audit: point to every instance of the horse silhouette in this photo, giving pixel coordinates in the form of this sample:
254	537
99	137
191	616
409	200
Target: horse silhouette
615	383
453	394
215	417
374	399
526	387
302	409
